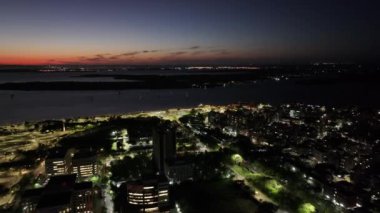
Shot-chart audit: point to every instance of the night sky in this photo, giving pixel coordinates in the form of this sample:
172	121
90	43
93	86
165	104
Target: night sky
188	31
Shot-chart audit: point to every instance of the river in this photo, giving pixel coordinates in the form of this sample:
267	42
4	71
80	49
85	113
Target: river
19	106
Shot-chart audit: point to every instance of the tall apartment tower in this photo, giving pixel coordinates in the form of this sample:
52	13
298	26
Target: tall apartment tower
164	145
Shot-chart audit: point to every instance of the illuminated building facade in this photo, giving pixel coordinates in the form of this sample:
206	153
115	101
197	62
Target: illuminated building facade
148	195
83	197
56	163
84	164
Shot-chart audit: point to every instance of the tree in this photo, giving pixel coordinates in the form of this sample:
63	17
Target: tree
306	208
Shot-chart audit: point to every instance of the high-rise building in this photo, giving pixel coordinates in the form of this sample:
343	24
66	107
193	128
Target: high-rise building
56	163
150	194
164	145
165	158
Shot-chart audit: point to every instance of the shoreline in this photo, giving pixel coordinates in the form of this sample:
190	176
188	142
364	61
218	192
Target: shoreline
95	117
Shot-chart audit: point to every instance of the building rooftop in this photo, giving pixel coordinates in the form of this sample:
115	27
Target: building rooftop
54	199
54	154
83	185
84	154
61	183
33	192
149	179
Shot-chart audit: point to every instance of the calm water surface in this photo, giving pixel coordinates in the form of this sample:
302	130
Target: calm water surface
18	106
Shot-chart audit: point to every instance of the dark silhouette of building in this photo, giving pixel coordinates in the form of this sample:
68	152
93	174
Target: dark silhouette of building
165	157
164	145
61	194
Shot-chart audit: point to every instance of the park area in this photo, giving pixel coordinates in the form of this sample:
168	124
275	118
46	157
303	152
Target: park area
216	196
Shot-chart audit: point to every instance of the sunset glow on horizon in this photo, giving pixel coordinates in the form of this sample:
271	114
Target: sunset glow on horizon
186	32
132	58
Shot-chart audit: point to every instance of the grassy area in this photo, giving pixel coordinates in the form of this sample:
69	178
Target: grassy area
218	196
274	190
298	187
289	196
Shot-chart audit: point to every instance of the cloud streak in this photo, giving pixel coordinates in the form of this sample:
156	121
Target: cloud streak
131	54
95	58
178	53
140	55
194	47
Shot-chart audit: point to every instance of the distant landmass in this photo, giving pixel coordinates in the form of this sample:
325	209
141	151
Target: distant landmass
195	77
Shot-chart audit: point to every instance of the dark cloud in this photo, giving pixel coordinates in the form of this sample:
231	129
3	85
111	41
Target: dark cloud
114	57
130	53
178	53
213	51
104	58
194	47
95	59
98	57
224	52
220	51
127	54
198	52
150	51
55	61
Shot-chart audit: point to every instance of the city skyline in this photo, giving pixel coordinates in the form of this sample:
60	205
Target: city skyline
184	32
189	106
